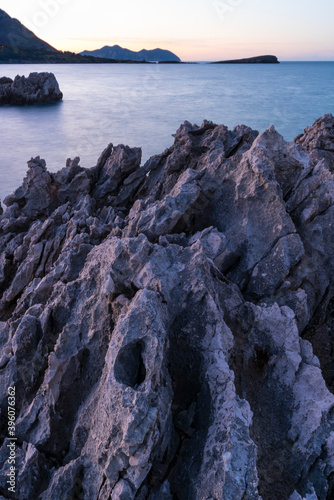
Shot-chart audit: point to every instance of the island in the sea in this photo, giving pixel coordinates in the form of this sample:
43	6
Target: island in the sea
120	53
251	60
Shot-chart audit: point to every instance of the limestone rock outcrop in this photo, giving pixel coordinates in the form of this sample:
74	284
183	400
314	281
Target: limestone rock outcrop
36	88
168	328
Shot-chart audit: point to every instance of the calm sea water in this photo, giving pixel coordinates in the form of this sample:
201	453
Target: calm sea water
142	105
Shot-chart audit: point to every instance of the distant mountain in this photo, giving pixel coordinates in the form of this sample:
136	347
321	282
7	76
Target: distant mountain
252	60
14	36
117	52
20	45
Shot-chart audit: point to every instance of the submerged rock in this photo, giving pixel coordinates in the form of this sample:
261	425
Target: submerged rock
36	88
160	323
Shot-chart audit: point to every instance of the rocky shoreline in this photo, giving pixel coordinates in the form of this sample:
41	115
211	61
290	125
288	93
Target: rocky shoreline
168	328
36	88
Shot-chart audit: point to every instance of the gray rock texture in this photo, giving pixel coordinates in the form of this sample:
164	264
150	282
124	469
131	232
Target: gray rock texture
36	88
168	327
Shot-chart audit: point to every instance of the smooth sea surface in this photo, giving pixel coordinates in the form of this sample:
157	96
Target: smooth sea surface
143	105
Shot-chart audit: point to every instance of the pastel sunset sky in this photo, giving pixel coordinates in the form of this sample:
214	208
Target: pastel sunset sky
199	30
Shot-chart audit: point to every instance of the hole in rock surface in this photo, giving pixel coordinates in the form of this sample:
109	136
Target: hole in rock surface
262	359
129	366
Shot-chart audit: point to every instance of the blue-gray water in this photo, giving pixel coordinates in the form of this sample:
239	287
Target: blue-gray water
142	105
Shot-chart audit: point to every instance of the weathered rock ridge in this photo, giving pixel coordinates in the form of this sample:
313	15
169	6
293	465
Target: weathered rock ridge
36	88
169	328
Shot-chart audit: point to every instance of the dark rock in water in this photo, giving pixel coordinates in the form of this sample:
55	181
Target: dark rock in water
159	323
36	88
252	60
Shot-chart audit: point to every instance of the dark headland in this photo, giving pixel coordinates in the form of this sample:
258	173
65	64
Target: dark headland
251	60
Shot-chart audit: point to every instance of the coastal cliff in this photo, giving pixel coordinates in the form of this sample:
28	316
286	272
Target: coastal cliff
168	329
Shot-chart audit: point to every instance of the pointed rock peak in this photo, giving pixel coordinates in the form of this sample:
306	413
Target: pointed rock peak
269	137
271	129
4	15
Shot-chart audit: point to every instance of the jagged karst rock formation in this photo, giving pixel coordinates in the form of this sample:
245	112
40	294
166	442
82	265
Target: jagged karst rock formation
160	322
36	88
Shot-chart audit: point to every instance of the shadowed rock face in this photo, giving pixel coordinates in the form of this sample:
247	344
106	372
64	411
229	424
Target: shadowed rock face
36	88
159	323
